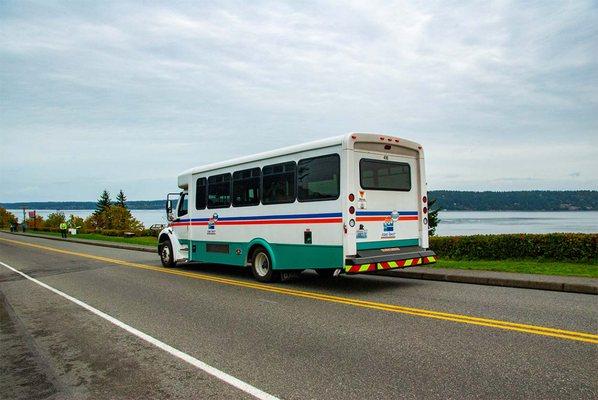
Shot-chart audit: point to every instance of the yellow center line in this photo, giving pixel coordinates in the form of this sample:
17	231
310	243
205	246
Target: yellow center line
465	319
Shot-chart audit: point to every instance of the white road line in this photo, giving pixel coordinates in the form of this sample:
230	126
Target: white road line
223	376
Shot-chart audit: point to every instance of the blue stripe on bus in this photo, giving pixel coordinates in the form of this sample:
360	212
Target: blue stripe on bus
260	217
384	213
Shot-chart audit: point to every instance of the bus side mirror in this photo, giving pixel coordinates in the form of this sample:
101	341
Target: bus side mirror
169	214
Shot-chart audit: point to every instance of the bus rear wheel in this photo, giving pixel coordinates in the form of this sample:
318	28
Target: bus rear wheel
166	254
261	266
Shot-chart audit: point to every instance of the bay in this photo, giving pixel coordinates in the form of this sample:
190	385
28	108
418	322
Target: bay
452	222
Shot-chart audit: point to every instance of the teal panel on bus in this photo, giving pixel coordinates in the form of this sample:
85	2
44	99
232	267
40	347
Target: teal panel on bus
232	253
300	256
286	256
382	244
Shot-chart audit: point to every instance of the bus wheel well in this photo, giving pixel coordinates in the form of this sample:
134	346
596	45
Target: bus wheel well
163	238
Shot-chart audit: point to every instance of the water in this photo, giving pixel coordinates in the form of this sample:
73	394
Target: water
488	222
452	222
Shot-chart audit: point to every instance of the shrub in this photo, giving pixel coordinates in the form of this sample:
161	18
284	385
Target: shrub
75	221
573	247
55	219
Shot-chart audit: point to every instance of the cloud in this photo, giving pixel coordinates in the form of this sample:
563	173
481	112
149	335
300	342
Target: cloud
116	93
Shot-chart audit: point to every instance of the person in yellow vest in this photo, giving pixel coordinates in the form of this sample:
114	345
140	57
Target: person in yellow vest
63	228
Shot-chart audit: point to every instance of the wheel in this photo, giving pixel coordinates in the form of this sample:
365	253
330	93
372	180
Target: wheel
325	273
166	254
261	266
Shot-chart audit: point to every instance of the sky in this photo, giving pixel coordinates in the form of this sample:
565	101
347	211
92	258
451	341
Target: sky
502	95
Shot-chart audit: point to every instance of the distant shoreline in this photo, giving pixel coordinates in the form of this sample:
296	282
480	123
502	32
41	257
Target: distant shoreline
448	200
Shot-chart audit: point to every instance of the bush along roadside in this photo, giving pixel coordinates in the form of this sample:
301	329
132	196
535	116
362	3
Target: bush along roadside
570	247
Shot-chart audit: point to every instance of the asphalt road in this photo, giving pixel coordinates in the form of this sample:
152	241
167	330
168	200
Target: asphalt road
357	337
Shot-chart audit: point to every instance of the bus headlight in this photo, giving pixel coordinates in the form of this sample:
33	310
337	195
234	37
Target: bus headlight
351	223
425	221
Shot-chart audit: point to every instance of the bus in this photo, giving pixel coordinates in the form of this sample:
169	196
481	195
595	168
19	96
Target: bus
351	204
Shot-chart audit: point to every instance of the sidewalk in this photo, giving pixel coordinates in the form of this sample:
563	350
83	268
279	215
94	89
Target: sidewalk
557	283
573	284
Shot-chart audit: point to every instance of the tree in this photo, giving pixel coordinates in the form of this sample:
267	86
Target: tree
121	199
6	218
55	219
433	219
103	203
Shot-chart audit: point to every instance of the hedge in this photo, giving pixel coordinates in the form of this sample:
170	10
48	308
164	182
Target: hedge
572	247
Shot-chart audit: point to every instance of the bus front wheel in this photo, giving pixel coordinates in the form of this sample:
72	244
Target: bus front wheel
166	254
261	266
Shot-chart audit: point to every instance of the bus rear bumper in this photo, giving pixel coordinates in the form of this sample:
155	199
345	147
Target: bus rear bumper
383	262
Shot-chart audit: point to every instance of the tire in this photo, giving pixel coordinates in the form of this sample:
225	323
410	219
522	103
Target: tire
166	254
325	273
261	266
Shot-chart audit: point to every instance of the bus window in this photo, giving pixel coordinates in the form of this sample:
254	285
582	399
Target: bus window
319	178
246	187
200	194
384	175
183	207
278	183
219	191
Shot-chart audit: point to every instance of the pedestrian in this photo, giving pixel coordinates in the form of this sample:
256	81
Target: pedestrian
63	227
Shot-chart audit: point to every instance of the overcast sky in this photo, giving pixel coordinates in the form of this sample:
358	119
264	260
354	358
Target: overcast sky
503	96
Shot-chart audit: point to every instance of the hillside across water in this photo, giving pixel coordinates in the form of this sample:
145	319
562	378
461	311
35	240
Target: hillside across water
451	200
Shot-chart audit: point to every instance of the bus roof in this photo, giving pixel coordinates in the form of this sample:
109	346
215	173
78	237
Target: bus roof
317	144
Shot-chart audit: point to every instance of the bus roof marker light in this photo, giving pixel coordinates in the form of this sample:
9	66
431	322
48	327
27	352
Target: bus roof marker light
353	137
381	138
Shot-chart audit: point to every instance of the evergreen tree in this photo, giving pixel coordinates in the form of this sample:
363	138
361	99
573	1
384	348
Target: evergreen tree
103	203
433	219
121	199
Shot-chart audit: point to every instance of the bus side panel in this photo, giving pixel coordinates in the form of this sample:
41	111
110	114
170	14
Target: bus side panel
285	228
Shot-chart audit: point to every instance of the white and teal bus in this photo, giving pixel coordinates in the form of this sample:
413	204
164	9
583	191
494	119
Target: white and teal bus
350	204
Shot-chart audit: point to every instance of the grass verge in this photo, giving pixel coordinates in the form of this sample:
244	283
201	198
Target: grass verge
525	266
140	240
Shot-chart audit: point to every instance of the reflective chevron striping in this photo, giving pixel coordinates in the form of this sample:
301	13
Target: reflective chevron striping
360	268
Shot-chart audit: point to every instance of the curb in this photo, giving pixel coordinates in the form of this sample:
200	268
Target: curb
505	282
90	242
476	280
